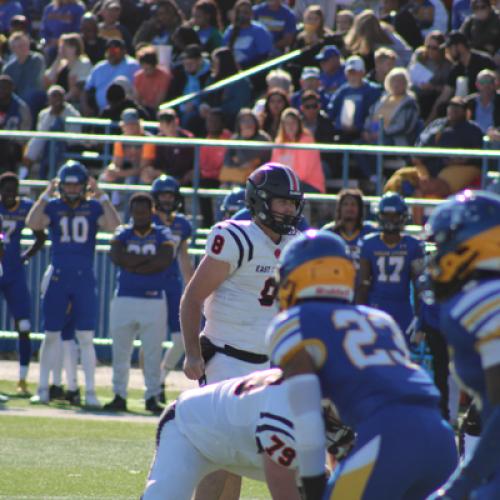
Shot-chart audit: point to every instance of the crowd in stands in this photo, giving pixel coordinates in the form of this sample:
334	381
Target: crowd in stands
396	72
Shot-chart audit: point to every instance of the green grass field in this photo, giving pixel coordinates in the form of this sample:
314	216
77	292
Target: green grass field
61	458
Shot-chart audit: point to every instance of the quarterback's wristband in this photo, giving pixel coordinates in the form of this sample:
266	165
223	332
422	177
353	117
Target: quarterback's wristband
104	197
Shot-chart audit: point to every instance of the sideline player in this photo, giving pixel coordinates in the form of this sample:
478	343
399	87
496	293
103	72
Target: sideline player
166	193
357	357
232	203
349	223
241	425
465	274
72	219
390	262
13	210
142	251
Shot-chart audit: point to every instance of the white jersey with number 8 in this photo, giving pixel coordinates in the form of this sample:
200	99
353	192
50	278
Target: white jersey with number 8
240	310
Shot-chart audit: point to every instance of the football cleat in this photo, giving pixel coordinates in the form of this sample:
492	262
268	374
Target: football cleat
153	406
40	398
117	404
56	392
91	400
73	397
22	389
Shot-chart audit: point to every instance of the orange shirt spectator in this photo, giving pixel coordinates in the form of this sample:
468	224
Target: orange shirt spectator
151	82
306	163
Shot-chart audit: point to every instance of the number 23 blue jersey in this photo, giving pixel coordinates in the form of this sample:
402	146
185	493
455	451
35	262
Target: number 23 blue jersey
360	354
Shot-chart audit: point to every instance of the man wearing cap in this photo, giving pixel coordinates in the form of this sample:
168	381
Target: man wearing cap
467	64
438	176
332	74
190	77
130	161
484	105
309	80
350	105
117	63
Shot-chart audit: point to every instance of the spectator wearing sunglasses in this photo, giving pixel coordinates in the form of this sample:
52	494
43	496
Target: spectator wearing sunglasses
484	105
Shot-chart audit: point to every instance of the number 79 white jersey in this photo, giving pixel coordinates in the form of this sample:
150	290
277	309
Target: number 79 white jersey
240	310
232	422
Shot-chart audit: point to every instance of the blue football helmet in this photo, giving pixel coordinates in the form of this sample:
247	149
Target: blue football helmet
73	172
466	231
233	202
392	203
274	180
316	265
166	184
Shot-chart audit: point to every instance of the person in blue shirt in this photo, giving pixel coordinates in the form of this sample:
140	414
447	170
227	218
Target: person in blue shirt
117	63
355	357
72	219
280	21
13	210
390	263
465	277
9	9
350	104
142	251
250	41
167	197
349	223
332	75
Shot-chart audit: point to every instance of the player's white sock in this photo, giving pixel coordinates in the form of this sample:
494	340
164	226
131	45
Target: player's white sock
57	364
172	355
87	353
23	372
48	356
70	364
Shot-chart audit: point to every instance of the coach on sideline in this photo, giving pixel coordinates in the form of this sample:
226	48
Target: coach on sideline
142	251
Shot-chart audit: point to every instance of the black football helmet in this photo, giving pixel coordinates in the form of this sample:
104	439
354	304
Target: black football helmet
274	180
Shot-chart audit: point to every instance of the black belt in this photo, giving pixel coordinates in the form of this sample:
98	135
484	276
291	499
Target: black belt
208	349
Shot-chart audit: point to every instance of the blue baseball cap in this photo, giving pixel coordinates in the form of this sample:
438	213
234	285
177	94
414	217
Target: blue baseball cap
328	51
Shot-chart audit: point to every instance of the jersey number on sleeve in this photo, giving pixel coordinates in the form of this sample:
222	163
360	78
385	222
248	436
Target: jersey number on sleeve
392	265
217	244
9	226
286	454
361	337
74	229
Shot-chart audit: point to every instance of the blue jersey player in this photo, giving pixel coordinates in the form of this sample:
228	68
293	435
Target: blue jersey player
465	274
13	210
356	357
349	224
390	262
72	219
166	193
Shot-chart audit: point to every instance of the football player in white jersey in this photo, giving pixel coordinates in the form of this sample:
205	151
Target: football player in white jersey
240	424
234	283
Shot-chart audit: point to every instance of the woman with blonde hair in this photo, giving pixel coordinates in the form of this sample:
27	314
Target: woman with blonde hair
368	33
305	162
70	68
